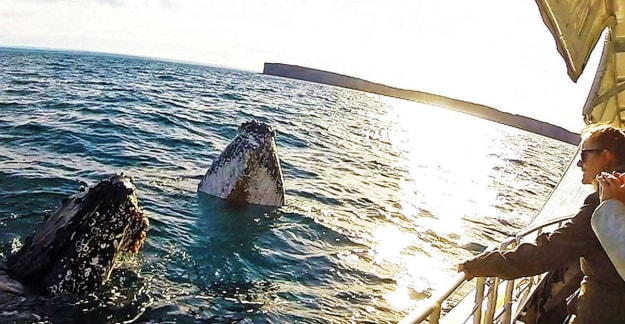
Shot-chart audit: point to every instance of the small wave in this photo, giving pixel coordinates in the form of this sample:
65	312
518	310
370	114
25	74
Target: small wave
172	103
231	96
30	128
295	171
517	162
21	74
267	90
20	92
9	104
316	196
99	83
25	82
168	78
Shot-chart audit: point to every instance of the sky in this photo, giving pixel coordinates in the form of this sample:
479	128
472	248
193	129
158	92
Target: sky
492	52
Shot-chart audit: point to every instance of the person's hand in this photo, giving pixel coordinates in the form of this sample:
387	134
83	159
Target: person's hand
612	186
466	273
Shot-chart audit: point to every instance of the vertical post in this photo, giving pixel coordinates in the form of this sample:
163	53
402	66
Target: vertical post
507	302
479	298
436	314
489	315
507	299
431	309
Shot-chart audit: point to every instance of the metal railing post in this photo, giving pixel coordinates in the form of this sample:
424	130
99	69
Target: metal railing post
489	315
436	314
507	302
431	308
479	298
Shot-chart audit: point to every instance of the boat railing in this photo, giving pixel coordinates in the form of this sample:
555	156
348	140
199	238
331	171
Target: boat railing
502	304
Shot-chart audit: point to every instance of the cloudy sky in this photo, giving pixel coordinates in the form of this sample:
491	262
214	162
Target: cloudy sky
492	52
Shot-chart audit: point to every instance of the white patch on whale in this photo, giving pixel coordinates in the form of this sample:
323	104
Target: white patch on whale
248	170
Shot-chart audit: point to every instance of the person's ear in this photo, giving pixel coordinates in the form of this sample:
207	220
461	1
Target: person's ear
609	158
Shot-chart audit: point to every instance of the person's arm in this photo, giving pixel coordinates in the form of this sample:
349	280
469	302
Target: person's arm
548	252
608	221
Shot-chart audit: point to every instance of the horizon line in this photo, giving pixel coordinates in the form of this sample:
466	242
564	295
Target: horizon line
136	56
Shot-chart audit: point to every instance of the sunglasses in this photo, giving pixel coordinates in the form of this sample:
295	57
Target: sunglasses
584	153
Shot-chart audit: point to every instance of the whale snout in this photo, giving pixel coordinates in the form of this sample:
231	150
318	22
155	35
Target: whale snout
248	170
74	249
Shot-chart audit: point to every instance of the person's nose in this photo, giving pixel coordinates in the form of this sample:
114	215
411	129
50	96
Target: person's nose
579	163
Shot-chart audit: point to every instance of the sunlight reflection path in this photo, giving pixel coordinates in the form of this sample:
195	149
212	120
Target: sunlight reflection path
449	158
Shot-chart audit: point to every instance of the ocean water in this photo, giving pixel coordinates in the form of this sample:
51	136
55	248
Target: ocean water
383	194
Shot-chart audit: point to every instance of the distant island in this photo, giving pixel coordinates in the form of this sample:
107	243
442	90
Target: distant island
489	113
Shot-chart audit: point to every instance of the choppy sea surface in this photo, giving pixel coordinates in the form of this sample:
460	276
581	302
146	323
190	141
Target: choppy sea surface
383	194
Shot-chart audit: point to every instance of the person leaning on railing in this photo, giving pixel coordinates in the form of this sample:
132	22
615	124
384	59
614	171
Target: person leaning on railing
602	291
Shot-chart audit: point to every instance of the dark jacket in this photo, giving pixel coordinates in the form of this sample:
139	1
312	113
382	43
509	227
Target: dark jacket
602	293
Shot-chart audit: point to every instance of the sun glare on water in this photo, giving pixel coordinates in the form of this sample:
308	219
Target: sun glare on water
448	159
449	165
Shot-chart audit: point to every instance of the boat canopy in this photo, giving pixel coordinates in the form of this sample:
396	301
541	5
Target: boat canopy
577	26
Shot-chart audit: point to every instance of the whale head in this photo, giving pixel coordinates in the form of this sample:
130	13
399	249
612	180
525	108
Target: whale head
74	250
248	170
